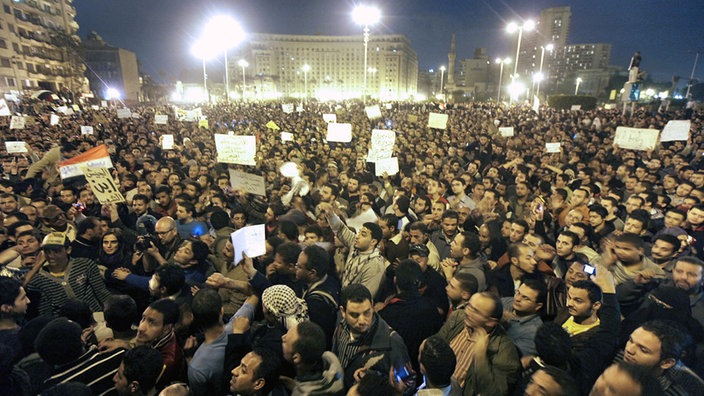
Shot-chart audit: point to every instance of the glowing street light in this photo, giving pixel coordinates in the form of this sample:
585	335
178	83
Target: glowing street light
306	69
205	51
365	16
548	47
442	77
502	62
511	28
576	88
224	33
243	64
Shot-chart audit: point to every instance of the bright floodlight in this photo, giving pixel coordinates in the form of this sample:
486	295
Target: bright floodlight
512	27
305	68
366	15
223	31
243	63
579	79
442	68
204	49
516	88
549	47
528	25
538	77
112	93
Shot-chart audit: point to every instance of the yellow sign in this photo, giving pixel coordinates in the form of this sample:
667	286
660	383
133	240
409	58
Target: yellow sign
272	125
202	123
102	185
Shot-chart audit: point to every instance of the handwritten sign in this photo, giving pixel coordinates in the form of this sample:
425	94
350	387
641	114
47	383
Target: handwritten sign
102	185
53	119
437	120
552	147
339	132
287	108
382	145
636	138
17	122
506	131
330	118
676	130
373	112
15	147
167	142
250	240
388	165
286	137
161	119
86	130
235	149
247	182
124	113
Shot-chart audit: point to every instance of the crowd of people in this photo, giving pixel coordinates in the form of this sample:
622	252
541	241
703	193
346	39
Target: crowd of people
486	265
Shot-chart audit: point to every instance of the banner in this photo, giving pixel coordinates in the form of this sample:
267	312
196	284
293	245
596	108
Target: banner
373	112
95	157
437	120
15	147
86	130
250	240
234	149
506	131
161	119
247	182
676	130
636	138
339	132
102	184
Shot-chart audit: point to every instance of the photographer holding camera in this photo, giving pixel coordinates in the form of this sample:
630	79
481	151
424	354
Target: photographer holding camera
154	252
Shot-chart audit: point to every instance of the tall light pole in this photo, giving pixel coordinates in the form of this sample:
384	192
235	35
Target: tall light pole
243	64
442	77
366	15
502	62
225	33
548	47
372	70
306	69
576	88
691	76
512	27
202	50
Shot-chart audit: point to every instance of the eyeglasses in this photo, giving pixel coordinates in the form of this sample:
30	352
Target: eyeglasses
163	232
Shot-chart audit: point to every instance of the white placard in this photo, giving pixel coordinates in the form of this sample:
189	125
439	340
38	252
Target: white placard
124	113
17	122
102	184
250	240
552	147
330	118
15	147
636	138
576	107
247	182
161	119
382	145
506	131
287	108
235	149
4	110
389	106
388	165
339	132
86	130
167	142
286	137
53	119
299	108
437	120
373	112
103	103
95	107
676	130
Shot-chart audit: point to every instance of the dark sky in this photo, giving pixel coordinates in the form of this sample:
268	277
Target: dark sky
161	31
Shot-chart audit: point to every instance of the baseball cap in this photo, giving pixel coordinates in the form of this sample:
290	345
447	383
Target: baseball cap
55	240
420	250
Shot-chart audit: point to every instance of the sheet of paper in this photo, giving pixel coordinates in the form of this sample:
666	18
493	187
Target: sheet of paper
339	132
676	130
250	240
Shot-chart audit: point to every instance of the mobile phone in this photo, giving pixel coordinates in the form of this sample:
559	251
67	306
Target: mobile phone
401	374
589	269
79	206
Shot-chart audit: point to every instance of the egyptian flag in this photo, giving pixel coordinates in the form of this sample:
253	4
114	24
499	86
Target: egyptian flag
95	157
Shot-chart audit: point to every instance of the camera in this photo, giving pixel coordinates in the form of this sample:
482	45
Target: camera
144	244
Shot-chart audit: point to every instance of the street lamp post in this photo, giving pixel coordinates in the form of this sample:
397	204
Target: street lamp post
243	64
691	76
306	69
501	75
548	47
576	88
442	77
365	16
201	50
512	27
224	32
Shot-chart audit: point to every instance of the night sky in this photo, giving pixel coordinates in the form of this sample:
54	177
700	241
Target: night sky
161	32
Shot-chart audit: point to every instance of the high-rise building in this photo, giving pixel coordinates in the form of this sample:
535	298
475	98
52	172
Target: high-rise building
336	66
552	27
111	67
590	62
38	47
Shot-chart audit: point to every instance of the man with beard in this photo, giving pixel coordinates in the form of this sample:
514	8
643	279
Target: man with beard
86	244
13	307
443	237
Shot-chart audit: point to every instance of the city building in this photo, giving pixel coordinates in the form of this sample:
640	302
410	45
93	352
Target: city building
333	67
110	67
38	47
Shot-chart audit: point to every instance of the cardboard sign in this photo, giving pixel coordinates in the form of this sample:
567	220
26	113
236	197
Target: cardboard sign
287	108
286	137
102	185
636	138
339	132
272	125
676	130
53	119
250	240
86	130
17	122
437	120
124	113
373	112
15	147
247	182
388	165
203	123
167	142
506	131
382	145
234	149
161	119
4	110
552	147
